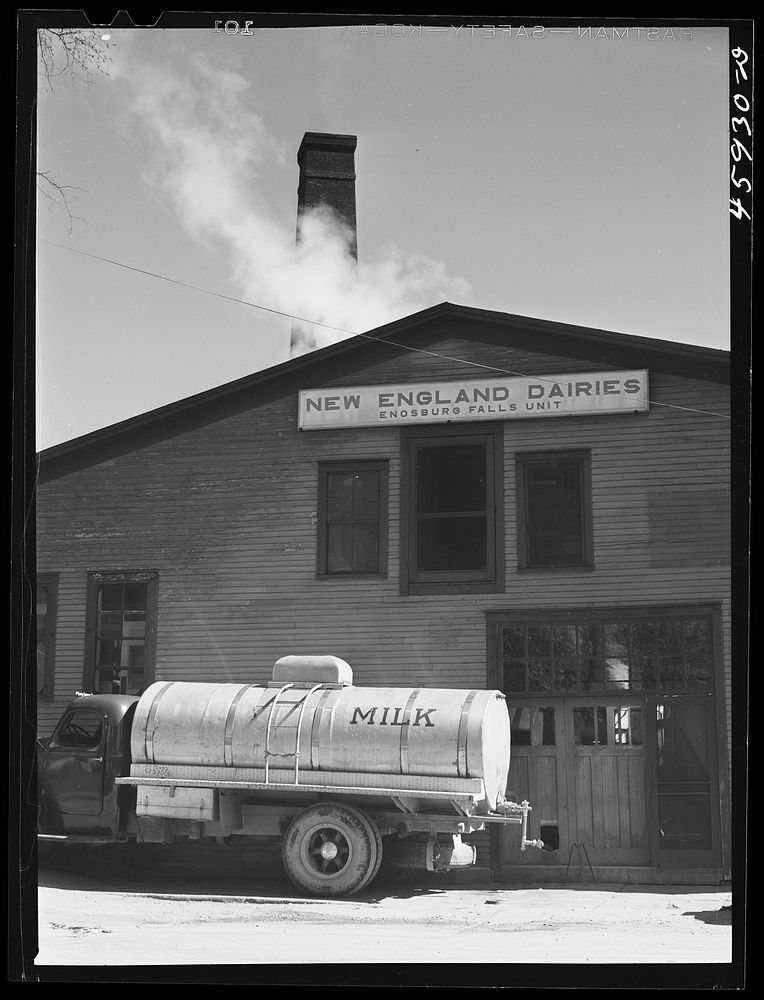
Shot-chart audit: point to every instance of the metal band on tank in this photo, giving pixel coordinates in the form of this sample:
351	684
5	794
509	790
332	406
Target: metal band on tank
405	731
149	729
228	736
461	736
315	731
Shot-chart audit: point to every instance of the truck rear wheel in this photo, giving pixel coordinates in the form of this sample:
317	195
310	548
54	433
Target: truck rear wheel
332	850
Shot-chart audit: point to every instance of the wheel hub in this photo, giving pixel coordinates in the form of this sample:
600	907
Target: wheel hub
329	851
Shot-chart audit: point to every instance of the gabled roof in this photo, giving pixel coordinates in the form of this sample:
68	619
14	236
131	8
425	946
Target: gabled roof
446	319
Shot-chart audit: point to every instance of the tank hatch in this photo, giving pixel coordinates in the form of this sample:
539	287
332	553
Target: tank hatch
312	670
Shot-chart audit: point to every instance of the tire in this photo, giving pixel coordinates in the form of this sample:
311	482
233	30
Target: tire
374	830
332	849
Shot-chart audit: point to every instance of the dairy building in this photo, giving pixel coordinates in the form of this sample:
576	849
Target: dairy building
462	499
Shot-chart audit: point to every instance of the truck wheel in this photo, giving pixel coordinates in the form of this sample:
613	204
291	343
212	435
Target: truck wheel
332	850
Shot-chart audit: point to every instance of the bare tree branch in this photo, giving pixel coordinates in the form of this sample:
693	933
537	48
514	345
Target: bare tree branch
75	53
57	194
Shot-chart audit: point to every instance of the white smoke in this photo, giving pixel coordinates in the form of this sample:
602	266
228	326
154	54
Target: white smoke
208	145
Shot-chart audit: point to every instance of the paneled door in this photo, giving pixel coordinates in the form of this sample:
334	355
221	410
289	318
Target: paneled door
537	773
580	762
606	788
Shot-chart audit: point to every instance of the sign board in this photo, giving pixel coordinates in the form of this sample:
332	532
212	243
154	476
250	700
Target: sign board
584	394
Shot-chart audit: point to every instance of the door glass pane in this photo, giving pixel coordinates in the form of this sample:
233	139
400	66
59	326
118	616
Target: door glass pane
590	726
520	727
682	742
627	726
548	738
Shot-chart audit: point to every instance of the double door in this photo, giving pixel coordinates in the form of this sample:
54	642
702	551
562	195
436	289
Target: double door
632	778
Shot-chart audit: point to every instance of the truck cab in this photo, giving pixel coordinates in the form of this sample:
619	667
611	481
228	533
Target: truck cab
77	770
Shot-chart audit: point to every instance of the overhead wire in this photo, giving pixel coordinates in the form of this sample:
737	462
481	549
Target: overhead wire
351	333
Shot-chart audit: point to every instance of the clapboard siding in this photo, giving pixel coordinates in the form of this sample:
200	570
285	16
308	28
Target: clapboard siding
226	515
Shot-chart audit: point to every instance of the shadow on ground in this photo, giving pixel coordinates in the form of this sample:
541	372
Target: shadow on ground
720	916
203	870
195	869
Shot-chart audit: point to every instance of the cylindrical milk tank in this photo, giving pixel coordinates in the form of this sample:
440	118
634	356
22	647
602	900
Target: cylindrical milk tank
416	731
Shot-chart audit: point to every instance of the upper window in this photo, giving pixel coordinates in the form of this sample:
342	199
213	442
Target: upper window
554	510
352	518
46	632
451	531
122	611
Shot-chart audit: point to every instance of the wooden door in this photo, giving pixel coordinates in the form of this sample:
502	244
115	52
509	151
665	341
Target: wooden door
687	832
606	787
537	773
580	762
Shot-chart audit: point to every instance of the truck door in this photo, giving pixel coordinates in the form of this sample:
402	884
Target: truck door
74	763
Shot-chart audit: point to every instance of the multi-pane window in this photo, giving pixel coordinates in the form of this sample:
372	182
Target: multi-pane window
451	499
46	620
121	621
554	510
664	654
352	519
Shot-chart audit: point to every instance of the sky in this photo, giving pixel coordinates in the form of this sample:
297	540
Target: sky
580	177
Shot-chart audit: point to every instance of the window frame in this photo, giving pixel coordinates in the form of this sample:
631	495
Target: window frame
96	579
56	743
522	461
343	467
49	580
412	581
498	619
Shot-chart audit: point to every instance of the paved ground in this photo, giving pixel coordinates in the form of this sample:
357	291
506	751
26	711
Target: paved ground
163	920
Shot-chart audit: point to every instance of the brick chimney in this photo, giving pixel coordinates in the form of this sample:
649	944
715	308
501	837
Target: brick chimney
327	177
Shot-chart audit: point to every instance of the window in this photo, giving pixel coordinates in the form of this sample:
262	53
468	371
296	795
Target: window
81	729
47	587
660	654
451	512
352	519
554	510
121	616
532	726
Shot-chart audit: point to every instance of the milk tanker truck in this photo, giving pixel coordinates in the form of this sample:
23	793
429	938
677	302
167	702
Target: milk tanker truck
344	775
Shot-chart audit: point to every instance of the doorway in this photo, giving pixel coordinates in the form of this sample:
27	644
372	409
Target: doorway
580	762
